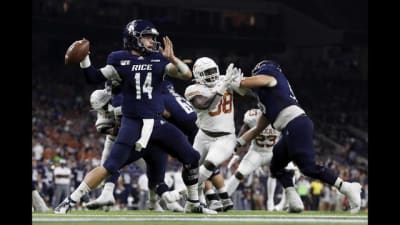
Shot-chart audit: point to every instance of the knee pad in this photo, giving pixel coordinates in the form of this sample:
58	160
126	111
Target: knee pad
239	175
209	165
190	174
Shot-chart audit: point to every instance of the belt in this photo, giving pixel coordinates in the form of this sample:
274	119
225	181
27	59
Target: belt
215	134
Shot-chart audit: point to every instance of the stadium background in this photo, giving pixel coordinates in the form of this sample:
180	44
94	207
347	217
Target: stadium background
322	46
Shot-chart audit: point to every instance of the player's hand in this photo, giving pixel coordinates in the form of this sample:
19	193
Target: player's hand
229	72
227	80
237	77
168	50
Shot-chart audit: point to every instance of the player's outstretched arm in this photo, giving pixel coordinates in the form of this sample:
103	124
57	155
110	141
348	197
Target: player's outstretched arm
250	134
94	75
176	68
78	52
258	81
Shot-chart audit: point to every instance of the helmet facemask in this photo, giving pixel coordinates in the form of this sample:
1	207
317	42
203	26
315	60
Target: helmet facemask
206	71
210	76
153	34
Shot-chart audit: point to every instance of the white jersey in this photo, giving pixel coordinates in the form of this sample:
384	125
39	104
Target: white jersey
219	119
265	141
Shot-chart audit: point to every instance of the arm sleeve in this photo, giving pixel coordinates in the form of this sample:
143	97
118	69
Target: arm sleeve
93	75
108	72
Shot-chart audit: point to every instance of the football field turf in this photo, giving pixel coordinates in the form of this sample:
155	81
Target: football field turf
233	217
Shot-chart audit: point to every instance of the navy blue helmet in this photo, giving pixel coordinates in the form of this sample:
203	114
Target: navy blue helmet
264	63
134	31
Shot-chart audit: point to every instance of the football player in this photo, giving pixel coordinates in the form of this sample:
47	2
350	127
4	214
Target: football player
108	108
213	102
140	68
281	109
258	154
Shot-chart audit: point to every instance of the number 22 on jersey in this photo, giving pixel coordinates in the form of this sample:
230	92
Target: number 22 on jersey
224	106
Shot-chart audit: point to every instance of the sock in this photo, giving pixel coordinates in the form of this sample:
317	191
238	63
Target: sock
152	196
80	191
193	192
223	195
232	184
271	186
211	195
108	188
222	190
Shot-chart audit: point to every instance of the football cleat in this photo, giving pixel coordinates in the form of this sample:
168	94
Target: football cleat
155	206
353	193
191	207
295	203
102	200
216	205
65	206
270	205
227	203
174	207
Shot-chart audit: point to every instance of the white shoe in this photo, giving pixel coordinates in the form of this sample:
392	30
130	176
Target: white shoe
171	196
155	206
102	200
353	193
197	208
270	205
216	205
64	207
174	207
227	203
295	203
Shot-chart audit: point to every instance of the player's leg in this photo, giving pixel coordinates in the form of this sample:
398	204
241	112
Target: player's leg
219	183
106	197
212	201
271	186
301	147
37	201
279	161
120	153
202	144
220	149
174	142
251	161
156	160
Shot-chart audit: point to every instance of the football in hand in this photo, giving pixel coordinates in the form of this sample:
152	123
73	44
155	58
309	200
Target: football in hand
77	51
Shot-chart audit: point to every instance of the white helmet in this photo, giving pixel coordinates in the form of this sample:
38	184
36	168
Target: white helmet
99	98
206	71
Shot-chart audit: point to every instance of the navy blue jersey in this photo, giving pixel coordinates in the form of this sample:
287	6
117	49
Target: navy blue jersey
177	105
116	100
278	97
182	112
142	77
